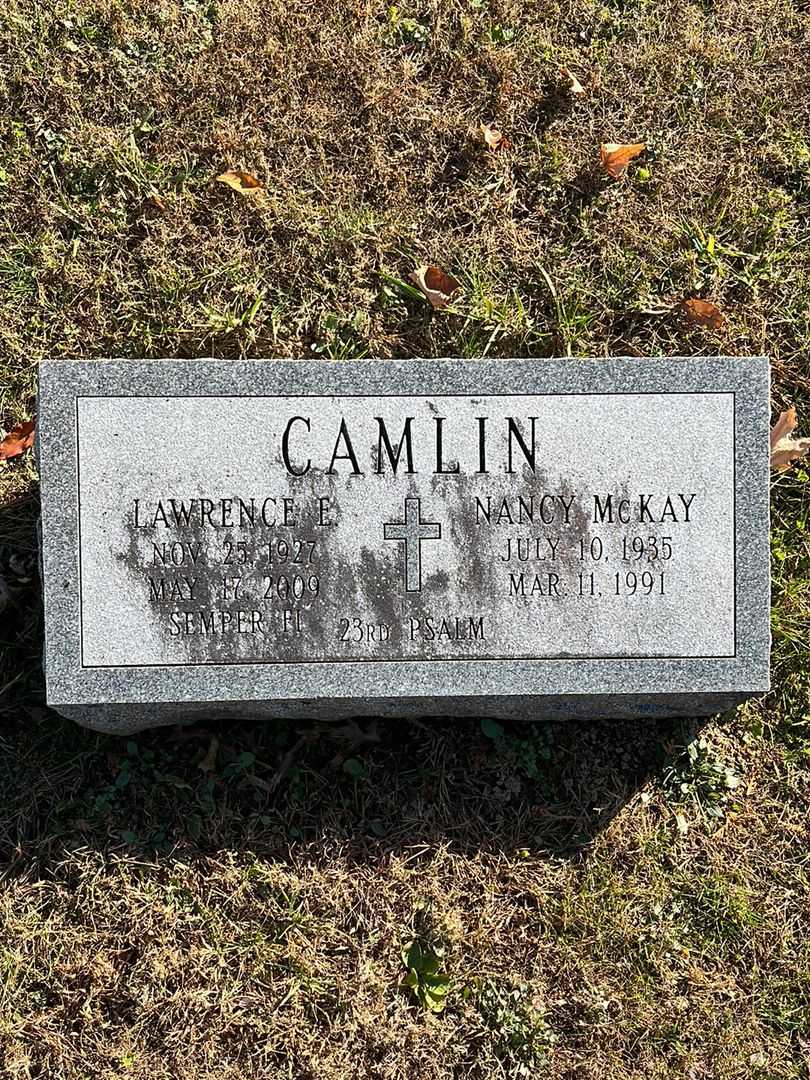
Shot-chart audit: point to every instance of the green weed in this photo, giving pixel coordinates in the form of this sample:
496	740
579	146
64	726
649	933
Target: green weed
425	979
521	1033
405	31
698	776
527	753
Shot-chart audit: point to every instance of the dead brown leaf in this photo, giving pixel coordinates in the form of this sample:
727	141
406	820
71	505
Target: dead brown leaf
703	313
209	762
438	287
352	734
18	440
784	449
575	87
152	207
615	157
243	182
494	139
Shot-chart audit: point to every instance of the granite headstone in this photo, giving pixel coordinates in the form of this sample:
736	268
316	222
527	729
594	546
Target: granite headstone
507	538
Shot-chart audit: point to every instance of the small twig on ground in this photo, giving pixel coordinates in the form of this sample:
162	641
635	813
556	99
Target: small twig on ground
286	763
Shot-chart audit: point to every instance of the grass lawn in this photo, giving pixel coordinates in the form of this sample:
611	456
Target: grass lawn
610	900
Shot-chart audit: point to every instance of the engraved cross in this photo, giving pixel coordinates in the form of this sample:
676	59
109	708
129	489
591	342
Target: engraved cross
413	531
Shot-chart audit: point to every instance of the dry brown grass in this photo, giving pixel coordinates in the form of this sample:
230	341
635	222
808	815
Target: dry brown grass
263	938
598	921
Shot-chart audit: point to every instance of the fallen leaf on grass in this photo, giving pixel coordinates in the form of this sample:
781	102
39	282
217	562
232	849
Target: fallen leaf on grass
615	157
438	287
21	567
152	206
352	734
209	762
494	139
575	87
18	440
703	313
784	449
243	182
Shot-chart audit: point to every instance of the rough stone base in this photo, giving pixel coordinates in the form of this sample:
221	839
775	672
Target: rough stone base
125	719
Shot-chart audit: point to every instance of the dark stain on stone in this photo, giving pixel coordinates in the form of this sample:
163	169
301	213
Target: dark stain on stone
382	598
437	582
467	578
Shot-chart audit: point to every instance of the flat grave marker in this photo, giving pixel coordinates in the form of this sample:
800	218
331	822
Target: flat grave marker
507	538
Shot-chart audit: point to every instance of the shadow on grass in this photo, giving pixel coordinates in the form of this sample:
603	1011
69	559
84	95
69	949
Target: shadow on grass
373	787
20	604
